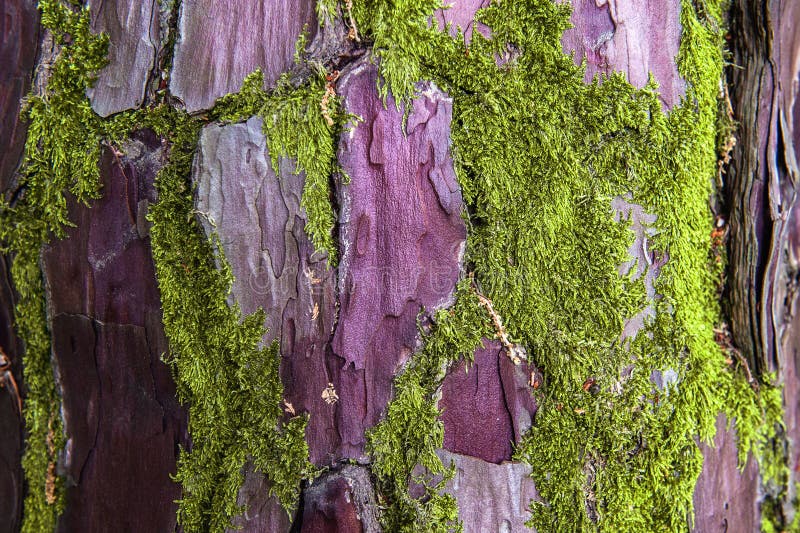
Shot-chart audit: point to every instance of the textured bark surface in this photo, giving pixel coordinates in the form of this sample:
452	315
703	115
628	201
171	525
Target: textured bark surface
487	405
11	478
401	238
261	225
19	36
725	498
340	501
122	420
491	497
219	43
133	31
637	38
761	185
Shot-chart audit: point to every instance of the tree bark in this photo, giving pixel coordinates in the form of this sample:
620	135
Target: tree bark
345	334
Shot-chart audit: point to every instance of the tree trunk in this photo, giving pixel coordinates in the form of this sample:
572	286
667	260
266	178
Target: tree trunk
408	277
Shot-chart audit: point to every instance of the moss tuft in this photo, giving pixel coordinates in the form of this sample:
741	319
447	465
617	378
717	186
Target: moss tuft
303	124
540	155
230	382
61	156
412	431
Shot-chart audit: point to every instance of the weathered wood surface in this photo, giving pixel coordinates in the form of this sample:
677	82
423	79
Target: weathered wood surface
122	419
761	185
219	43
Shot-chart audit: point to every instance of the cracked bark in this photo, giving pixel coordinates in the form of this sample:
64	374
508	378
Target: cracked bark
122	419
355	328
761	195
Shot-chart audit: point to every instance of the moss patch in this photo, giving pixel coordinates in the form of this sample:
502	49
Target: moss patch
230	382
540	155
61	155
301	123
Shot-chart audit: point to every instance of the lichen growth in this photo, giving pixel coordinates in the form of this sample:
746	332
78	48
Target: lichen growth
60	157
297	125
540	155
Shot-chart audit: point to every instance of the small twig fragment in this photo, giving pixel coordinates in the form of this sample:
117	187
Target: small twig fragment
515	351
330	92
352	34
7	379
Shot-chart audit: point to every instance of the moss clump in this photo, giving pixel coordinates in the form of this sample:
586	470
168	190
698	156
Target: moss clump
540	155
412	431
301	123
61	155
230	382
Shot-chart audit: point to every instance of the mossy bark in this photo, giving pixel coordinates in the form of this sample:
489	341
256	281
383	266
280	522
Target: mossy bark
519	275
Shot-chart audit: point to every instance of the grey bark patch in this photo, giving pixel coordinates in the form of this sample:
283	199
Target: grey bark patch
257	215
634	37
491	497
133	30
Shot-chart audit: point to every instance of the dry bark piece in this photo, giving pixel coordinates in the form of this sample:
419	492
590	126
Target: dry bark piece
132	28
342	500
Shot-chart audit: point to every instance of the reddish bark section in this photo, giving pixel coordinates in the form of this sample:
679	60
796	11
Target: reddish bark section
402	238
122	420
340	502
762	194
726	499
487	405
19	39
19	35
11	476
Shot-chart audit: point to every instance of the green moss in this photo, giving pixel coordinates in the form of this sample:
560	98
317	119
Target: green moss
230	382
297	125
543	246
60	155
540	155
411	431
